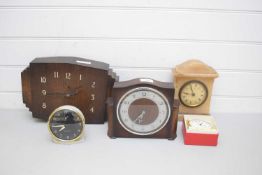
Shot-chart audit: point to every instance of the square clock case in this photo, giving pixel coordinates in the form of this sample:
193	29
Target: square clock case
200	130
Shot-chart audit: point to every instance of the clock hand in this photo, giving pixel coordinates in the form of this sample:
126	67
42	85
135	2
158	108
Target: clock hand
62	127
73	92
186	93
193	93
140	117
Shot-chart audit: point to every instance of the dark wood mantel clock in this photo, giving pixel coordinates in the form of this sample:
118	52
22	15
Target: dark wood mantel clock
51	82
142	108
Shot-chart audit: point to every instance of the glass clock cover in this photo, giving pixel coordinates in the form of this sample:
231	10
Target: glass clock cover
200	124
66	124
143	111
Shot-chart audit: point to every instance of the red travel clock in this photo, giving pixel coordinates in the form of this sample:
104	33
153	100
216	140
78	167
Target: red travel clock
200	130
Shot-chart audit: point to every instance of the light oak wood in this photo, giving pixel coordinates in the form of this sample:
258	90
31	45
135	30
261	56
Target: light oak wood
194	70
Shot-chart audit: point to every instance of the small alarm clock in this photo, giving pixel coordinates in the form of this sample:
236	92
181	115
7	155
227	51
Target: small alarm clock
66	124
142	108
200	130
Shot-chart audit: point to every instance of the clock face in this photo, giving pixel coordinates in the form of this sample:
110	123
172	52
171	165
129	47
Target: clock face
193	94
199	124
72	81
143	111
66	123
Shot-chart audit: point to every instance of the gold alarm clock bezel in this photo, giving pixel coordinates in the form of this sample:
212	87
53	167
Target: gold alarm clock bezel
187	83
80	115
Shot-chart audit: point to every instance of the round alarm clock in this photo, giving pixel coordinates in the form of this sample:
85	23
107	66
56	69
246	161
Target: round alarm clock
66	124
142	108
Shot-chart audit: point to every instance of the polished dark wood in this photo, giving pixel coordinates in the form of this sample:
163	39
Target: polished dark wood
120	88
51	82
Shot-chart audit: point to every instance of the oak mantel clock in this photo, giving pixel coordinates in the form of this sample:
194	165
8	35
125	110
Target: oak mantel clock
142	108
51	82
193	81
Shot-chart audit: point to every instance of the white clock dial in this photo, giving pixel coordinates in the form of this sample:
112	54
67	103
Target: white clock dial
199	124
143	111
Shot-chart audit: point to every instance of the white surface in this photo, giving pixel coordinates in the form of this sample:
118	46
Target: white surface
26	149
139	38
200	4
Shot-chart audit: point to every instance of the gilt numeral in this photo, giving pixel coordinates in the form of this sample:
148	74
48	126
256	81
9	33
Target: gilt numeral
43	79
92	110
68	76
93	84
44	92
44	105
80	77
92	97
55	74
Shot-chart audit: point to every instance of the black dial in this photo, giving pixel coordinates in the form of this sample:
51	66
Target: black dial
66	123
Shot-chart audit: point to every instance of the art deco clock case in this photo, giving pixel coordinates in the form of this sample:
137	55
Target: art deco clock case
142	108
51	82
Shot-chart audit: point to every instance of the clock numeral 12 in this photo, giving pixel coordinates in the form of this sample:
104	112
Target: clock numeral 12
68	76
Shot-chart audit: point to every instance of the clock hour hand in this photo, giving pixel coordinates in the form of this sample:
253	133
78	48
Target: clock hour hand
193	93
62	127
139	119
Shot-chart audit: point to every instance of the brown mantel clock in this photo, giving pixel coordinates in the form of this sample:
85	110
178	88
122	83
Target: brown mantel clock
51	82
142	108
193	81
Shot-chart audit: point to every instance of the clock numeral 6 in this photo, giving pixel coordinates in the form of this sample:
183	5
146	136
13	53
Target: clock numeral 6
43	79
44	105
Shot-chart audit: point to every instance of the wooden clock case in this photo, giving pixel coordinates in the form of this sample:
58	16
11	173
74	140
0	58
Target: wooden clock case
120	88
194	70
90	71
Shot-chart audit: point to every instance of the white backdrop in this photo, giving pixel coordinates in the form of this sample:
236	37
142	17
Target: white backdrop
139	38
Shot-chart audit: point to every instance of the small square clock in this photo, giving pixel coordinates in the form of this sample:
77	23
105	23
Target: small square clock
200	130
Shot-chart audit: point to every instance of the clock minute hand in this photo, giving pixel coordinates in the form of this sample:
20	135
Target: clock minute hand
73	92
62	127
140	117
